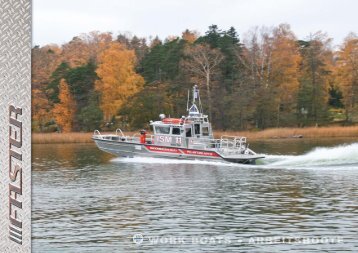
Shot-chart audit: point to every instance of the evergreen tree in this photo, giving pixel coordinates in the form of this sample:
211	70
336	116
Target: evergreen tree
90	117
52	89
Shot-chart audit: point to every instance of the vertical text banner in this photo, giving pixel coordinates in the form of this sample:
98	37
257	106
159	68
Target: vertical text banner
15	126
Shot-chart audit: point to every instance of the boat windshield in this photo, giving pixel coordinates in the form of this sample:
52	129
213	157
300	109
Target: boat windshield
205	131
162	129
197	128
188	132
176	131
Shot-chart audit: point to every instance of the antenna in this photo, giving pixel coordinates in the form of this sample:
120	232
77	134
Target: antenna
193	110
187	102
195	93
200	105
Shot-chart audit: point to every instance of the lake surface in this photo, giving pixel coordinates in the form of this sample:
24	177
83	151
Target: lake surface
302	198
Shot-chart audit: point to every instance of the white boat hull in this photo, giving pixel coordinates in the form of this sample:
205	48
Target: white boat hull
133	149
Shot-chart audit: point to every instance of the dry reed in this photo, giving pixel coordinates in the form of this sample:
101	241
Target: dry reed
47	138
308	132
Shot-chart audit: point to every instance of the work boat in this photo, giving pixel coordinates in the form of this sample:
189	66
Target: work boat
188	137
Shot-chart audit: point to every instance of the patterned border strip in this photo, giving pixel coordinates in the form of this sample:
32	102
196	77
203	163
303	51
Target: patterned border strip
15	126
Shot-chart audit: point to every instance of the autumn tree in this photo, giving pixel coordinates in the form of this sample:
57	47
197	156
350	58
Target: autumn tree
64	111
270	79
76	52
284	66
271	61
44	61
41	110
84	48
190	36
315	77
347	76
202	62
256	59
117	78
97	42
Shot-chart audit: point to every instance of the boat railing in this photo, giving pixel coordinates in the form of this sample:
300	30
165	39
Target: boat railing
232	144
118	136
119	130
226	144
97	134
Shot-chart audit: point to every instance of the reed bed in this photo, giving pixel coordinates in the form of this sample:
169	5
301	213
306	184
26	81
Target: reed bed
273	133
308	132
47	138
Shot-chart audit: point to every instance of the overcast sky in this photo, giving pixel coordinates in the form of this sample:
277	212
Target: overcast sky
58	21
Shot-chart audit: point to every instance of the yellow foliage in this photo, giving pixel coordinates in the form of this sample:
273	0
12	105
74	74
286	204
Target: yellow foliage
347	72
64	111
118	79
285	60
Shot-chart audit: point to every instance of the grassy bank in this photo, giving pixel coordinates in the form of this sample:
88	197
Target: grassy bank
309	132
274	133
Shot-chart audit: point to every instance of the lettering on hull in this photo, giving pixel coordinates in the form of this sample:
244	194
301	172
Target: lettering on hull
163	149
200	153
181	151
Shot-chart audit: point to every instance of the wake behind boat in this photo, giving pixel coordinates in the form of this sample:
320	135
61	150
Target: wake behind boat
188	137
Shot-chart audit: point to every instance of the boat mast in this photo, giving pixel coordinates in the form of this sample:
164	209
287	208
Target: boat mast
195	93
187	102
194	110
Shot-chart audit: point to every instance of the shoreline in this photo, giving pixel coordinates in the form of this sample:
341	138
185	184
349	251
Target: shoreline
268	134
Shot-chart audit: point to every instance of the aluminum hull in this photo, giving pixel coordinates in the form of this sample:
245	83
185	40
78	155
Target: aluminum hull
133	149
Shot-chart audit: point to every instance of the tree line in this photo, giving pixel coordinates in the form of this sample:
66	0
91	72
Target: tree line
268	79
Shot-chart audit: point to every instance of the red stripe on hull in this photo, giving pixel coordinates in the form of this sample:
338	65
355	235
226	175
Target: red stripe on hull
163	149
181	151
200	153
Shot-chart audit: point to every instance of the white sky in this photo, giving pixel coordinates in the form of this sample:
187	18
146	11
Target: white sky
58	21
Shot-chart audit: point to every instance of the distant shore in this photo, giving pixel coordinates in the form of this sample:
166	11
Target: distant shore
273	133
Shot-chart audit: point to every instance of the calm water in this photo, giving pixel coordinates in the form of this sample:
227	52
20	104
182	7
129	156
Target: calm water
300	199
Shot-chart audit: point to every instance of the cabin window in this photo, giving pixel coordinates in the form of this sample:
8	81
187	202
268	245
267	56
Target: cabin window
176	131
197	128
162	130
205	131
188	132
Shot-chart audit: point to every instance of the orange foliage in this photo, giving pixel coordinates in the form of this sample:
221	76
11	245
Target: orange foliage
41	109
285	60
347	73
80	50
190	36
64	111
44	61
